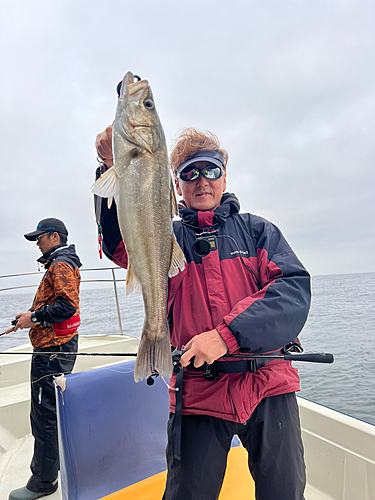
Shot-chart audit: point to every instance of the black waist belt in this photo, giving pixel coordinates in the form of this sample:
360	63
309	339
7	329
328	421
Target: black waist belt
244	365
211	372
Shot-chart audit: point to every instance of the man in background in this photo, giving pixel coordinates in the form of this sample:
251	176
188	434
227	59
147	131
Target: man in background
53	320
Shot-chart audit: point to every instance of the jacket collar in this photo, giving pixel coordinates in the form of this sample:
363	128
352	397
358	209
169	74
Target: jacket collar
229	205
67	250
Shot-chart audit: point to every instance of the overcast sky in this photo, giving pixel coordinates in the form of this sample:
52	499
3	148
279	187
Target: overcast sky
287	86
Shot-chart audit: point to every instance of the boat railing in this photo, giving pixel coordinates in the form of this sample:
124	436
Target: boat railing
111	271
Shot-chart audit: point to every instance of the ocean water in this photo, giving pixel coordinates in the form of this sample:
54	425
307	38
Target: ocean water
341	321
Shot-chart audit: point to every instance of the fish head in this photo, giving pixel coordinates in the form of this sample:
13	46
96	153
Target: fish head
136	118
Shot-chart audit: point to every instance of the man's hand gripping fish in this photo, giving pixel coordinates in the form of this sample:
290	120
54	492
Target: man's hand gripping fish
141	184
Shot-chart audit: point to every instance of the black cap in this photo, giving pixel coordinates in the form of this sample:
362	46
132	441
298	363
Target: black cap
46	225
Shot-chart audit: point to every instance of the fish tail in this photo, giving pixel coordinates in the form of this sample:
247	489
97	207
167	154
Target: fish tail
153	355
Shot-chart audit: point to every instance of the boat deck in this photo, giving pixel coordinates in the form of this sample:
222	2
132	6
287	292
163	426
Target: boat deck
16	464
15	467
16	441
339	450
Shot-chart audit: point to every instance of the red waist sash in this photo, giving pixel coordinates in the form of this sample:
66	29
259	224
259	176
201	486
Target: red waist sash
65	327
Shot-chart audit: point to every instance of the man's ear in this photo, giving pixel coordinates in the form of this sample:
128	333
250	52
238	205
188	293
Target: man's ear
178	189
56	238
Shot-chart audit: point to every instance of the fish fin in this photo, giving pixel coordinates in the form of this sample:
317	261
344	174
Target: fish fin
153	355
109	202
174	209
132	283
107	184
177	259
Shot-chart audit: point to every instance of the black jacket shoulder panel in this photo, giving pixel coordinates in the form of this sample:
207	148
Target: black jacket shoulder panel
66	254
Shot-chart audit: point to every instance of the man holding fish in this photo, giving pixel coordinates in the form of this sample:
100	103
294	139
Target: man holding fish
238	289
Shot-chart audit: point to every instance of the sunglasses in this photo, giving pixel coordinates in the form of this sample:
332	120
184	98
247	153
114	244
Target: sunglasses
38	238
192	173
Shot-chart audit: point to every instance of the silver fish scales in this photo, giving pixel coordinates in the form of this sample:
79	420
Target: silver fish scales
141	184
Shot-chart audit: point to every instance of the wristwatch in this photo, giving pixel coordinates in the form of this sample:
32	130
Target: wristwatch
33	317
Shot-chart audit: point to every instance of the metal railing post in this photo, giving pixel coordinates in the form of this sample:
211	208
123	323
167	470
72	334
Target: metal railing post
117	302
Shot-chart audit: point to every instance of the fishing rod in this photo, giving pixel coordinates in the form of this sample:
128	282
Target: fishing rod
7	331
14	322
313	357
176	355
64	353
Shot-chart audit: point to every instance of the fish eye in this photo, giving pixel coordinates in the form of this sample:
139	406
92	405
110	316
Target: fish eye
149	104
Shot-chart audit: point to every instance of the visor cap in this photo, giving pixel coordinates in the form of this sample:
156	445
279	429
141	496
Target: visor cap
211	156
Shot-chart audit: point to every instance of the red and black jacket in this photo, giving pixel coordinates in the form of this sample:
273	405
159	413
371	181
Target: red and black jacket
250	286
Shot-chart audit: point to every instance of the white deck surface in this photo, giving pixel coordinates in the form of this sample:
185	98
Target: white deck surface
15	468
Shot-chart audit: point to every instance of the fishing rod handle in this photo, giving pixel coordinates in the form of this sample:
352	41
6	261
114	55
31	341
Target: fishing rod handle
323	357
7	331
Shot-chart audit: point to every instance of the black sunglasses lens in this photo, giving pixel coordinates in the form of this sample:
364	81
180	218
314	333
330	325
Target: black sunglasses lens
210	173
189	174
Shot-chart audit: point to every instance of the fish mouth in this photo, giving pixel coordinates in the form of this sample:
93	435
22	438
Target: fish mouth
133	121
131	90
134	92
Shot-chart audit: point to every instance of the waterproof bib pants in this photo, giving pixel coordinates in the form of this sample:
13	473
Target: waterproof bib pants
45	462
271	436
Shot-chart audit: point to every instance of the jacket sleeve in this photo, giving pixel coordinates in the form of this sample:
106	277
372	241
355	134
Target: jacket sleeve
61	310
108	228
274	315
65	302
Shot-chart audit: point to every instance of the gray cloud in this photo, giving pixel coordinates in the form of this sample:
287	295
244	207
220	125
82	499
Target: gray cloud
288	87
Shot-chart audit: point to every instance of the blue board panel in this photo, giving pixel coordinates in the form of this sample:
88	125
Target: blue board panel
112	431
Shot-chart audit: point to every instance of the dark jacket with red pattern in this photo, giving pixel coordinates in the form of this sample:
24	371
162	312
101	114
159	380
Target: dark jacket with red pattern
258	308
57	297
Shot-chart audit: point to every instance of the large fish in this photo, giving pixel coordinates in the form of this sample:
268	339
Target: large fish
141	184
